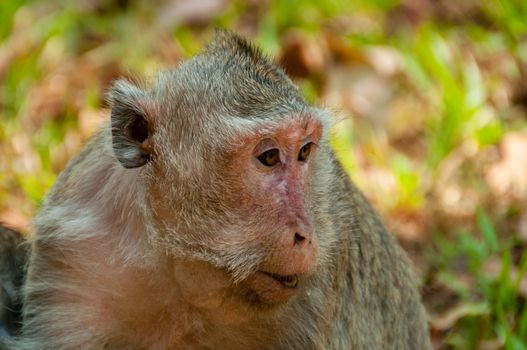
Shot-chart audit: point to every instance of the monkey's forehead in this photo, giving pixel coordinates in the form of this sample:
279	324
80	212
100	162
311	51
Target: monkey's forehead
312	122
278	119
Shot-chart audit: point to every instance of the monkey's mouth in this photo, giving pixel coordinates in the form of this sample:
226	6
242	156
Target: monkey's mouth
272	288
288	281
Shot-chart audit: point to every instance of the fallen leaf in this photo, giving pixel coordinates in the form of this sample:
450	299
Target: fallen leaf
190	12
449	318
509	175
302	57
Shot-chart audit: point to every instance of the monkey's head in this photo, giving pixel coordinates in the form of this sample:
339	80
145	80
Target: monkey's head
227	148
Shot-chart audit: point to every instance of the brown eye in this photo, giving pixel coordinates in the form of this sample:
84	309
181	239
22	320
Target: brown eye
270	157
304	152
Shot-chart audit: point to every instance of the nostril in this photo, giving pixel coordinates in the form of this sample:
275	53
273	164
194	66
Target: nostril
299	238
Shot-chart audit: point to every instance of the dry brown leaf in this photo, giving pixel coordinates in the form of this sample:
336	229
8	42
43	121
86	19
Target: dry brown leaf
449	318
360	90
301	56
408	225
509	175
492	344
15	220
385	60
190	12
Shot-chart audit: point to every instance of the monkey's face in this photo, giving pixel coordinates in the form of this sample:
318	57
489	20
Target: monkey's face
270	176
250	214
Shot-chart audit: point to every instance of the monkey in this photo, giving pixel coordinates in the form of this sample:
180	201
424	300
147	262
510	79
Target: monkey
210	212
13	256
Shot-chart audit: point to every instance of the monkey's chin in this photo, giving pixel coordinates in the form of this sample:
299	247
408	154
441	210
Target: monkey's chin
272	289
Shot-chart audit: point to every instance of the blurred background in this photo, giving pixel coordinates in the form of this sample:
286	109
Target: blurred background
430	98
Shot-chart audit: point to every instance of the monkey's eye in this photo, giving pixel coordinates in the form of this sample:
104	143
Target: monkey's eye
304	152
270	157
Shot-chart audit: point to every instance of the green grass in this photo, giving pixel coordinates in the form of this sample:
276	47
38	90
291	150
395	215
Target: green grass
494	307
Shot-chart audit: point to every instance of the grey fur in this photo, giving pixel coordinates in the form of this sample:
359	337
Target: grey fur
102	223
13	255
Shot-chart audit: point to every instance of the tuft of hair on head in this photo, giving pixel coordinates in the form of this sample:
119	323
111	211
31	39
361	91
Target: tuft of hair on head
232	47
228	42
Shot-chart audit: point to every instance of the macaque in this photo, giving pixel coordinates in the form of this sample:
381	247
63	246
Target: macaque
12	261
211	213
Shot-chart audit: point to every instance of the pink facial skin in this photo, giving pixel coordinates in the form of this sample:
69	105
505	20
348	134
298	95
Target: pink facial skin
278	195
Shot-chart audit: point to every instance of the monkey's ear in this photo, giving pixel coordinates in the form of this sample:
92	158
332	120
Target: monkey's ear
130	124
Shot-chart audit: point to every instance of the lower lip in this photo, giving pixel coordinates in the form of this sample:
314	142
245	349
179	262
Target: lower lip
290	281
270	290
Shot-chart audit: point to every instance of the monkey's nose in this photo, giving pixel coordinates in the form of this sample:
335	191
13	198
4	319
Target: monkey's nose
300	252
299	239
303	233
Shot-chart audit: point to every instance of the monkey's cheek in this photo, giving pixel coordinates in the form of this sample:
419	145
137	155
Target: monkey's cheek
269	290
